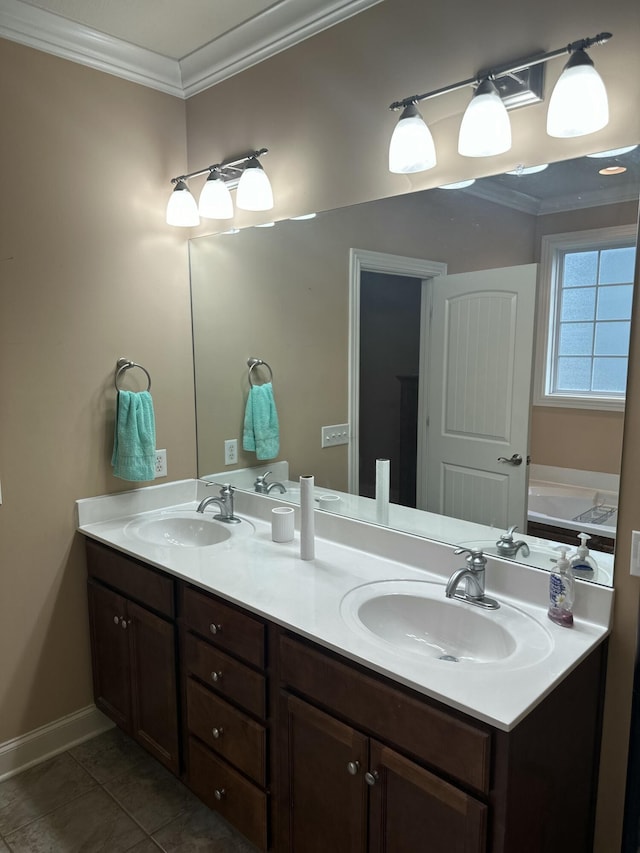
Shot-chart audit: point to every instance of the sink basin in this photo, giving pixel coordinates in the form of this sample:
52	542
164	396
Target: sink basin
186	530
411	617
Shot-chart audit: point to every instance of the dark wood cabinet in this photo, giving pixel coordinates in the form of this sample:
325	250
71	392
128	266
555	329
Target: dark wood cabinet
134	660
305	751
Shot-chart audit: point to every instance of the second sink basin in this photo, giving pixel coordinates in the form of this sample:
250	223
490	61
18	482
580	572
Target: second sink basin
186	530
412	617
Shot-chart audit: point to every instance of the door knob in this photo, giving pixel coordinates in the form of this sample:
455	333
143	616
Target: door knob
516	459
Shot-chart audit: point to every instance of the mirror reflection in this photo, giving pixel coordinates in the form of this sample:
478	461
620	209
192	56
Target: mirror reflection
408	323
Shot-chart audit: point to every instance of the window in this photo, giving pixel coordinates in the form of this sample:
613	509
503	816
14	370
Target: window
586	291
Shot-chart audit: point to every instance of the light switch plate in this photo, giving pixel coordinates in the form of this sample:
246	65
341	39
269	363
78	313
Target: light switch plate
635	553
333	435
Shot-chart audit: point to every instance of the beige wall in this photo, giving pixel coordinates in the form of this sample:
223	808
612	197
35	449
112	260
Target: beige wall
321	110
88	272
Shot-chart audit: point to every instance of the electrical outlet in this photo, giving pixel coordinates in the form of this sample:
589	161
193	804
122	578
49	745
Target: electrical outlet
161	463
333	435
231	451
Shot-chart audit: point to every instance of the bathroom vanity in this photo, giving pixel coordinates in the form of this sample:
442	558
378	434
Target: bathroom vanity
236	666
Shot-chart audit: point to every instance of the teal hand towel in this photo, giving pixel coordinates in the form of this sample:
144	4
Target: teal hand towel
134	444
261	429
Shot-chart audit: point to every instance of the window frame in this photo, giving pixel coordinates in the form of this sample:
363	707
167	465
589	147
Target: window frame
600	238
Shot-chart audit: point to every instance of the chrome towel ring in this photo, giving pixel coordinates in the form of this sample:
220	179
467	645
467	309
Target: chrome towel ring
122	365
257	362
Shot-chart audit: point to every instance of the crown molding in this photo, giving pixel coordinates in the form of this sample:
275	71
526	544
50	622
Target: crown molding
283	25
274	30
539	207
53	34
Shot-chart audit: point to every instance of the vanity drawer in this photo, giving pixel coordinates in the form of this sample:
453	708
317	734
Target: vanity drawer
226	675
228	731
457	748
227	792
141	583
224	625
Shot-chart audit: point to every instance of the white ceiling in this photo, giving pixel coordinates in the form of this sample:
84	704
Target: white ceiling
177	46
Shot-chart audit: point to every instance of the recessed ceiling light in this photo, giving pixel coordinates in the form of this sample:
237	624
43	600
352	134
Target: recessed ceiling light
459	185
266	225
612	170
231	231
527	170
614	152
306	216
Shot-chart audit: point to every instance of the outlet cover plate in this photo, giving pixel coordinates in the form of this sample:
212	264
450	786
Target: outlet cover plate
161	463
334	435
231	451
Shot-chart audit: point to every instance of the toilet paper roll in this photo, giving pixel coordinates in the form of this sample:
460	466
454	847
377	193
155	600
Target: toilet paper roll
282	523
307	519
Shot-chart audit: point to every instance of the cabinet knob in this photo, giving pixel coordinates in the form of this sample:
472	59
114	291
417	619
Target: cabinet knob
124	623
371	778
219	793
217	732
116	620
216	676
353	767
215	629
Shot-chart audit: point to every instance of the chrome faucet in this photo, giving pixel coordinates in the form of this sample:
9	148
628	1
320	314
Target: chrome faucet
224	501
263	488
473	578
506	547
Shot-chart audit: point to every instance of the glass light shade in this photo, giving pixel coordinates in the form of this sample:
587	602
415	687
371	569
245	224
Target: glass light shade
182	209
411	148
578	103
215	199
485	130
254	189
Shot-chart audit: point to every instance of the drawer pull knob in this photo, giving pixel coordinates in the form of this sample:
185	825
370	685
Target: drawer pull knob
353	767
371	778
116	620
215	629
219	793
217	732
216	676
124	623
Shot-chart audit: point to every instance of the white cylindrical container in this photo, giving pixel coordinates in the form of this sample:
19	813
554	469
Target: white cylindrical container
307	520
329	502
282	523
382	491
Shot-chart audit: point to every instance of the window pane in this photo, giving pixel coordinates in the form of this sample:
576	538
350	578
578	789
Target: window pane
612	339
580	269
614	303
578	304
610	374
576	339
616	265
574	374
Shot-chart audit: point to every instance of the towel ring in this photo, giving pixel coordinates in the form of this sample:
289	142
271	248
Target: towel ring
122	365
257	362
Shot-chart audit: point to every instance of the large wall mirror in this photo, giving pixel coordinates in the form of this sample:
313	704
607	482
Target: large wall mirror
353	311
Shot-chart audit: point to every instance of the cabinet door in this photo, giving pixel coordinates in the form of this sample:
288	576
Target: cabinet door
154	684
326	802
110	654
411	810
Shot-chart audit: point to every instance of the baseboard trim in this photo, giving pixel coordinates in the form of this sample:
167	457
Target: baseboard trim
27	750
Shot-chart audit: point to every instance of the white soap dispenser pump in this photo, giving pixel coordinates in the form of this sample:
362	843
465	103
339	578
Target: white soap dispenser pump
561	592
582	563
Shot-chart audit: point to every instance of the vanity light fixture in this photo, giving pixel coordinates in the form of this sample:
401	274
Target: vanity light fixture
485	129
246	173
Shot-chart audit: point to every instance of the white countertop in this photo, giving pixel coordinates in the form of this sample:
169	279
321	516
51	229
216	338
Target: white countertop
270	579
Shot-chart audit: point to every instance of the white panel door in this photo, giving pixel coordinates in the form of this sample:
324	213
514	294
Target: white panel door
478	395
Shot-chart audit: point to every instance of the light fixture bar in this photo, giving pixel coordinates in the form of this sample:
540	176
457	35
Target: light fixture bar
233	165
504	70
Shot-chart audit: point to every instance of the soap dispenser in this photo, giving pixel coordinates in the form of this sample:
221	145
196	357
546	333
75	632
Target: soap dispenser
582	563
561	592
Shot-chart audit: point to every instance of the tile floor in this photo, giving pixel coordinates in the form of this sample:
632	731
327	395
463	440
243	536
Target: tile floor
108	795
